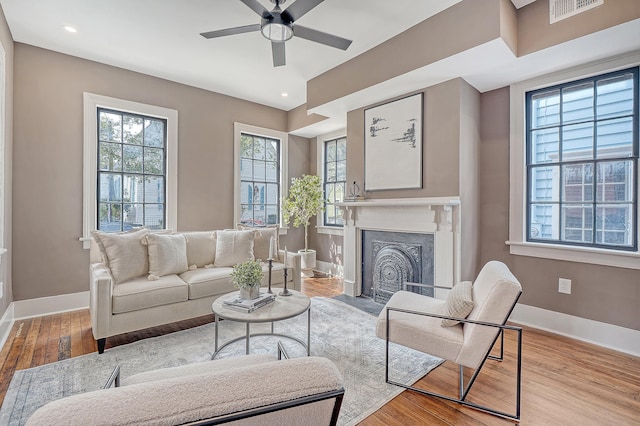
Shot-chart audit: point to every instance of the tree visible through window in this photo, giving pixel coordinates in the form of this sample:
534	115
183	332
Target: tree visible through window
582	162
335	177
131	171
259	180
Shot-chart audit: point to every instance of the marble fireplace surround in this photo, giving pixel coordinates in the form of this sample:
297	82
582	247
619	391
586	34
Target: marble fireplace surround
433	215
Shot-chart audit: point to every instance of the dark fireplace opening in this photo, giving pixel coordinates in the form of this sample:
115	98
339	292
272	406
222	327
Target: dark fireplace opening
390	259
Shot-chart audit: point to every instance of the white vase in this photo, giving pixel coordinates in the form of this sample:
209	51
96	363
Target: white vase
249	293
307	262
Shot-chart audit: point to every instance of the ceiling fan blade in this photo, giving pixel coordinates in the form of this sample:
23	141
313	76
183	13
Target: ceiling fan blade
257	8
299	8
277	50
231	31
320	37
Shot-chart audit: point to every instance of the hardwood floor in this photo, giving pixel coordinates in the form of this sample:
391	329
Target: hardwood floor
565	382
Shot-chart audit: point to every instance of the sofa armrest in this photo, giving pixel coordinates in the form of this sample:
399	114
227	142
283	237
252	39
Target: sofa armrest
294	263
100	284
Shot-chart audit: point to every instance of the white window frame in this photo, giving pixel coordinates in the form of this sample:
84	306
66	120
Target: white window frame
90	170
320	144
283	137
518	244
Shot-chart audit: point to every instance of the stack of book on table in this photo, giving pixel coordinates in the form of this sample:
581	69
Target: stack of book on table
249	305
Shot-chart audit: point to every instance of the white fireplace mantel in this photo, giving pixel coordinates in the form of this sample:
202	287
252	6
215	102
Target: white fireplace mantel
439	216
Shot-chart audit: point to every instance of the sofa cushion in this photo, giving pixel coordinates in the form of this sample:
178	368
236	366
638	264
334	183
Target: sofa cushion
459	303
125	254
233	247
201	248
140	293
262	241
205	282
167	254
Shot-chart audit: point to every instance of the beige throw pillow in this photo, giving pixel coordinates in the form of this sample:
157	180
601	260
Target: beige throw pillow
124	254
167	255
262	241
459	303
233	247
201	248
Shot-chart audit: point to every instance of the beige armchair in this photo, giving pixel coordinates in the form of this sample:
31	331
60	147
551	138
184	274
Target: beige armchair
416	321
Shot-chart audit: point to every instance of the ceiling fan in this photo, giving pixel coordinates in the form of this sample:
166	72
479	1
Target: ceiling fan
279	26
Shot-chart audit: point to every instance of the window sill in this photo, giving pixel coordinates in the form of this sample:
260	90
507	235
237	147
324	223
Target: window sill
630	260
330	230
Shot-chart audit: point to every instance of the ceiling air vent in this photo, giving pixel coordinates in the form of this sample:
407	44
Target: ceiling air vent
562	9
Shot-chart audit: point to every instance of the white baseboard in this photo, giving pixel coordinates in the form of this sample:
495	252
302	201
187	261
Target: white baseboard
6	322
331	269
50	305
602	334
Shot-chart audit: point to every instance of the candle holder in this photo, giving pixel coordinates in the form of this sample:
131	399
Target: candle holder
270	267
285	291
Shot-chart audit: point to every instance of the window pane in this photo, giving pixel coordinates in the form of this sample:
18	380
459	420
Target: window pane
577	102
545	145
259	215
132	188
341	148
133	216
132	158
615	96
330	192
154	216
259	148
154	133
578	183
543	221
154	189
246	146
110	187
132	131
246	214
545	183
110	156
272	215
341	172
577	142
330	214
154	161
615	182
545	109
577	223
615	138
259	171
272	194
331	151
272	150
110	127
271	170
109	217
331	172
246	169
339	192
614	224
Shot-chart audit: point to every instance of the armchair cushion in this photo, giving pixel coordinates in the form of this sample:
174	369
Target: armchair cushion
140	293
459	303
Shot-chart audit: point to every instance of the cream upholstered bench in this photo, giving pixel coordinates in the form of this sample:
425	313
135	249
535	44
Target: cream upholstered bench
246	390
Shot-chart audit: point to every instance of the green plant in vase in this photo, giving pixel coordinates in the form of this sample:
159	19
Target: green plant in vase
305	200
247	276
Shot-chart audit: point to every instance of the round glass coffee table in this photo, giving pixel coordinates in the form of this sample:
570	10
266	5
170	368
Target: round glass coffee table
283	308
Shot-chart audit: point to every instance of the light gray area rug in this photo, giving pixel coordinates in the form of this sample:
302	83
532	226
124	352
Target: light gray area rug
339	332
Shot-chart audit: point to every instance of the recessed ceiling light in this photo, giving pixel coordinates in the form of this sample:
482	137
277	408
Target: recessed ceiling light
70	29
284	94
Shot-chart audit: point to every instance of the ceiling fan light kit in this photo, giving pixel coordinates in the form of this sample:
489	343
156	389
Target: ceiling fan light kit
278	26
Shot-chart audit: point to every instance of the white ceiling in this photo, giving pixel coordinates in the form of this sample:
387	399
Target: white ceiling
162	38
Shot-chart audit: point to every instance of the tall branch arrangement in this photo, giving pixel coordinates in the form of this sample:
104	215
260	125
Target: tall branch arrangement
305	200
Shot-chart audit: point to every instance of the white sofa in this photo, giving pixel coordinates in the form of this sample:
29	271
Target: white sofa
247	390
142	279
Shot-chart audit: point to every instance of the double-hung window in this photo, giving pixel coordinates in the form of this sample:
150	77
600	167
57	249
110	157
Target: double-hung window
335	177
130	166
582	162
260	173
574	155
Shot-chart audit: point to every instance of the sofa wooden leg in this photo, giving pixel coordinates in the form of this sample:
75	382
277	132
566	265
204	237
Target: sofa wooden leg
101	343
